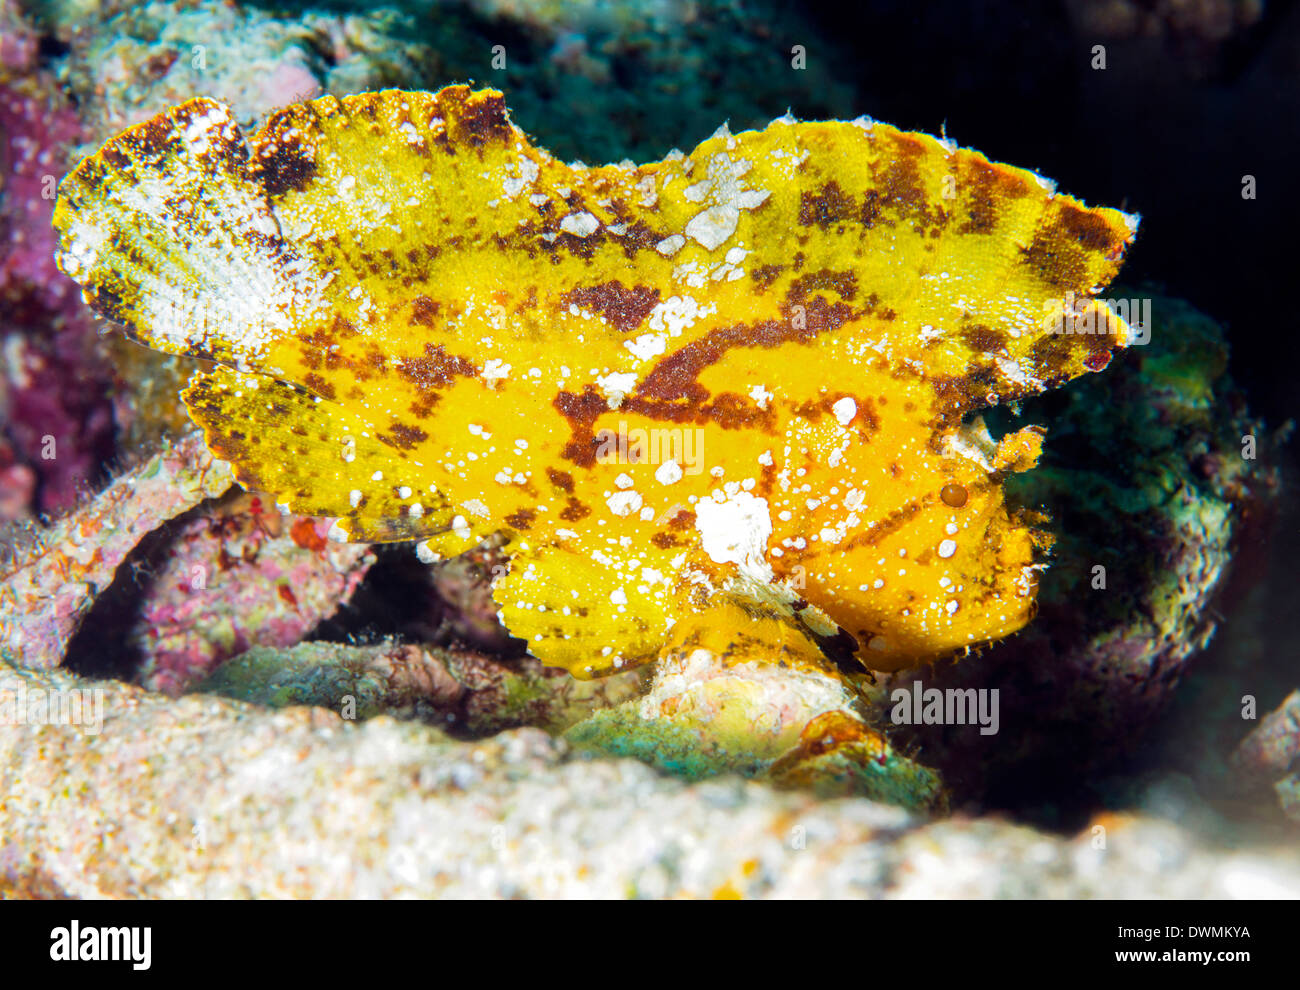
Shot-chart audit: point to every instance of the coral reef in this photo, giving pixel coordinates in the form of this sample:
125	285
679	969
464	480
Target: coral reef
206	797
1270	755
465	693
222	579
52	575
149	56
17	484
280	702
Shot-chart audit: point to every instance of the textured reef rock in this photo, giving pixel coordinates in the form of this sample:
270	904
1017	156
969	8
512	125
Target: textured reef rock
38	127
1270	756
462	692
52	576
205	797
212	584
790	719
721	701
166	603
1147	475
144	57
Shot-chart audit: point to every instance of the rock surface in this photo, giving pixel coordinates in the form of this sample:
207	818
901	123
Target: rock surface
207	797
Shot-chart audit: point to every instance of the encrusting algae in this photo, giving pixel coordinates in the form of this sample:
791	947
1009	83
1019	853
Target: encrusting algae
738	377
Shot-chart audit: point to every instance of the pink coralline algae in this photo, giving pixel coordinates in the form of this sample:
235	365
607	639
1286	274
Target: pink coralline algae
38	129
57	408
56	382
231	578
17	483
48	585
167	584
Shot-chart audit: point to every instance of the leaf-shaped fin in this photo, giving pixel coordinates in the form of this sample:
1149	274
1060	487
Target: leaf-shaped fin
582	613
303	450
944	261
388	188
171	236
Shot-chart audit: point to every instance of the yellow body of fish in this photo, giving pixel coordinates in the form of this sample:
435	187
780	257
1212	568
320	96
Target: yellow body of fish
741	375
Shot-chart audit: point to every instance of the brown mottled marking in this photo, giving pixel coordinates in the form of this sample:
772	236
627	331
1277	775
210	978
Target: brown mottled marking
606	437
424	311
985	339
581	247
319	386
765	275
110	304
827	206
375	359
1087	228
674	376
625	308
483	120
115	156
845	284
582	408
574	510
638	237
521	520
952	392
436	369
868	418
873	307
1057	259
581	411
870	212
732	411
683	519
1097	360
402	436
283	162
988	189
811	411
821	316
151	142
893	522
560	479
900	182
